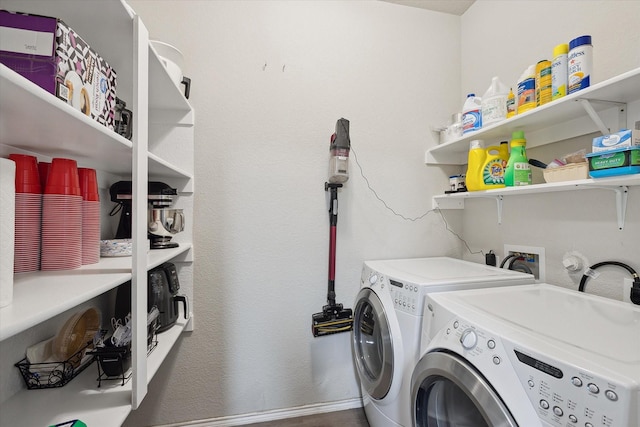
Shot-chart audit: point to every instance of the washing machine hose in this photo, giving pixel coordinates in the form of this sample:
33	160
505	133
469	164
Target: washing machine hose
635	288
524	268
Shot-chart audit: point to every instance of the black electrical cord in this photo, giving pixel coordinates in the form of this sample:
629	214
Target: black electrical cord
635	288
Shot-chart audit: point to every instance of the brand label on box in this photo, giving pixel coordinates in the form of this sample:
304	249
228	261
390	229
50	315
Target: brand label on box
29	42
625	138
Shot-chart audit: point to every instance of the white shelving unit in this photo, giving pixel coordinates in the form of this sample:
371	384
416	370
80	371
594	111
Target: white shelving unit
577	114
34	121
570	116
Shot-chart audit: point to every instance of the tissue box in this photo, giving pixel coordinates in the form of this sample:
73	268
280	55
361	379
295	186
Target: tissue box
52	55
621	161
624	138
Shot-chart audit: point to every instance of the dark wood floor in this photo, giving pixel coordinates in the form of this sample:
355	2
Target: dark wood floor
349	418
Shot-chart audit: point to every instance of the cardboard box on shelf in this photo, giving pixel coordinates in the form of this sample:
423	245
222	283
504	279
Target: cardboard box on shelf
620	161
52	55
624	138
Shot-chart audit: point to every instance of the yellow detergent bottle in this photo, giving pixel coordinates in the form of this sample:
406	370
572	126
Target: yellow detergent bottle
485	168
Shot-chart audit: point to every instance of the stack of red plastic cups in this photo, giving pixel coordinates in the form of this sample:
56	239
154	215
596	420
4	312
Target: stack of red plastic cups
90	216
62	217
28	213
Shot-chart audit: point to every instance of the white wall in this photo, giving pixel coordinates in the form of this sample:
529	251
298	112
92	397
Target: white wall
495	43
269	81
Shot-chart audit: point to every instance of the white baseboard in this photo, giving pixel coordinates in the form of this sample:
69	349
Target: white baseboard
277	414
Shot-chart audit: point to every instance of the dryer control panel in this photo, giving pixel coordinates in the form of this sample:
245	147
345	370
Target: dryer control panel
406	296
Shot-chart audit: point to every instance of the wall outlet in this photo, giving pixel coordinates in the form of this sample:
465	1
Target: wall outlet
534	260
626	290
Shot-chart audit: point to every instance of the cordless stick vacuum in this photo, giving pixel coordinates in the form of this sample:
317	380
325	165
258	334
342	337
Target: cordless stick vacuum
334	318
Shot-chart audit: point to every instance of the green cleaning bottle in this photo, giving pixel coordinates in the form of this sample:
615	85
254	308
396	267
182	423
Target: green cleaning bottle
518	171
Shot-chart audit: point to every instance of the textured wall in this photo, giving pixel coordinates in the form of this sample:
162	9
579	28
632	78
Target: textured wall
270	79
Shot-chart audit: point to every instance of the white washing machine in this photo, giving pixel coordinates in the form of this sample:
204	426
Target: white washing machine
388	318
528	356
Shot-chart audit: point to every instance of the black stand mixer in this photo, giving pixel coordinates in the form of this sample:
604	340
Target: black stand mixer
163	221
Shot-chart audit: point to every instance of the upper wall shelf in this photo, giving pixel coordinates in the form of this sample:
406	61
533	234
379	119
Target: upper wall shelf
555	121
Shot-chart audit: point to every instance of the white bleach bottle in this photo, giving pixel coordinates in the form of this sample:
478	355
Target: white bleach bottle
472	113
494	102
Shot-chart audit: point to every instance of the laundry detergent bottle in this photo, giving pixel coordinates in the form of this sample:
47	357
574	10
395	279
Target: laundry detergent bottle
475	161
518	172
487	167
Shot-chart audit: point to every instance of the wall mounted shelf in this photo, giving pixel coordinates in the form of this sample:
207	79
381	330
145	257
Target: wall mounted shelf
574	115
619	185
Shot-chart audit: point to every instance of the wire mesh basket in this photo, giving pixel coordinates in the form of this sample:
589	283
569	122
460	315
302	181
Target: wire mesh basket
54	374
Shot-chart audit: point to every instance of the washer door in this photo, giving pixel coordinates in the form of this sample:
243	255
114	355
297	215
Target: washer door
372	344
447	391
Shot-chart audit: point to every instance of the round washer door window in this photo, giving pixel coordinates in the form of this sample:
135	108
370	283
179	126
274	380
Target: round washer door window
449	392
372	345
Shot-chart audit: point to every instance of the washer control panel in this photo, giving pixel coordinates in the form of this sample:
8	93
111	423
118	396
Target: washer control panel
567	395
406	296
562	394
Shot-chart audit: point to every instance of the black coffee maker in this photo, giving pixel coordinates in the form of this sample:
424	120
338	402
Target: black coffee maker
162	292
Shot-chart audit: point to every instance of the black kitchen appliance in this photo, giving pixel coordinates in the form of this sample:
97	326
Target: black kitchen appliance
170	298
162	291
159	194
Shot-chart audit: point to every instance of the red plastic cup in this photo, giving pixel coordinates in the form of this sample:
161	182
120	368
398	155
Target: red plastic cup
63	178
27	176
43	169
88	184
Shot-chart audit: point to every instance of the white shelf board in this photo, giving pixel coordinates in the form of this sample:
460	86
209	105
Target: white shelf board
160	167
55	127
582	184
81	398
171	97
563	118
40	295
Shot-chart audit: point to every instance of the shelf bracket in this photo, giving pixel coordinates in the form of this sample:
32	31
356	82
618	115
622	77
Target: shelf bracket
499	207
593	114
499	200
622	194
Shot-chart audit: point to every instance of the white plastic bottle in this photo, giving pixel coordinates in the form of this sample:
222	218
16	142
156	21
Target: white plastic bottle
494	102
472	113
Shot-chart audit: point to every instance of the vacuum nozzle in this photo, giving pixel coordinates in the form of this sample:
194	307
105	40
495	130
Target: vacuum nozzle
332	320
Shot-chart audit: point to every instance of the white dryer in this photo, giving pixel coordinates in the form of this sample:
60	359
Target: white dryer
388	315
528	356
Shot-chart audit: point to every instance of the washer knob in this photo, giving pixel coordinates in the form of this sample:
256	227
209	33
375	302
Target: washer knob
469	339
373	279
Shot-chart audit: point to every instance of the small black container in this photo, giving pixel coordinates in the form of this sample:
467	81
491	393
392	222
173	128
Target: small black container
113	362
